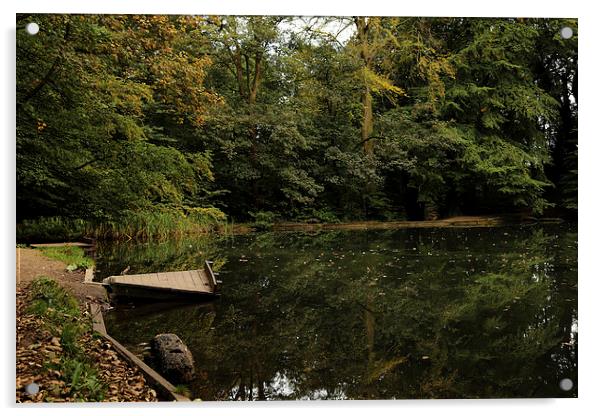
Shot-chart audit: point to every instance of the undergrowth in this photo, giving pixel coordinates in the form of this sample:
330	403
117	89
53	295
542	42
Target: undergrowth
62	316
155	224
73	256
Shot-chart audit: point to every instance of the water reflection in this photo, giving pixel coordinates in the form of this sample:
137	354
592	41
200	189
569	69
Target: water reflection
423	313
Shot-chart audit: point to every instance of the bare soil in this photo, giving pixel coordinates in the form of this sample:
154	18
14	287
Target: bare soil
31	264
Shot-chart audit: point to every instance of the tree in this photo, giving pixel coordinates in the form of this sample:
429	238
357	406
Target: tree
555	71
87	143
276	117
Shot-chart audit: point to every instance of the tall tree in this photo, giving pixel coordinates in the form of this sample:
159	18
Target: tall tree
372	37
87	145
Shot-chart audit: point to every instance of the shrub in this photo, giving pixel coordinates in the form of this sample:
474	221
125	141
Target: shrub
47	229
46	293
263	220
82	379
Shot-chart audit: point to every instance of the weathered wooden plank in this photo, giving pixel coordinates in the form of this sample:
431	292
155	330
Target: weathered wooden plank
185	281
189	280
89	276
202	280
197	278
210	275
205	283
156	379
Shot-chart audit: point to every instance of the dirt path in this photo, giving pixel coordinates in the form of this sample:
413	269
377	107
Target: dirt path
31	264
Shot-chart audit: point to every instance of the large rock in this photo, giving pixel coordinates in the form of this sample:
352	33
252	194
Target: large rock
173	358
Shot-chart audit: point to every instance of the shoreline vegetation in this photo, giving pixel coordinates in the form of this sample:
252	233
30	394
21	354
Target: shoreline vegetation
159	228
152	126
62	354
132	226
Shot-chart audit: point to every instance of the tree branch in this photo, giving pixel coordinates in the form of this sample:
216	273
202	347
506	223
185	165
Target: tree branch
49	73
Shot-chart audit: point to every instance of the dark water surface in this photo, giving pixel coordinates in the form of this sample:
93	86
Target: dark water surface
382	314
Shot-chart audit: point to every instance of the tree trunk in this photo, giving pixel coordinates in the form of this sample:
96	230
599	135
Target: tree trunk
363	32
236	58
256	79
367	122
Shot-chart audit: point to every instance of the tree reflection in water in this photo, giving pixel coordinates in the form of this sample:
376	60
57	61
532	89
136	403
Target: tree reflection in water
410	313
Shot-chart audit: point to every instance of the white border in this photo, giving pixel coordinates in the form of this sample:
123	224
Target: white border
551	8
589	158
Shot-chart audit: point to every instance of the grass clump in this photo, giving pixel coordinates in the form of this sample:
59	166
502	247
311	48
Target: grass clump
73	256
162	223
82	379
323	215
263	220
47	297
182	389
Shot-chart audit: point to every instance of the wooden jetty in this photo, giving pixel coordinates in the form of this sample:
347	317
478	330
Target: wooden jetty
187	284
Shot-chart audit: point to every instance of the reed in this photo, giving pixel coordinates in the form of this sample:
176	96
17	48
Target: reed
48	229
155	224
161	224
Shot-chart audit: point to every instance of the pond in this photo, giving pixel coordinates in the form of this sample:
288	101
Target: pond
377	314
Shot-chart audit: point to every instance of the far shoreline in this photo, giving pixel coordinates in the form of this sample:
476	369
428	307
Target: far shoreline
233	228
451	222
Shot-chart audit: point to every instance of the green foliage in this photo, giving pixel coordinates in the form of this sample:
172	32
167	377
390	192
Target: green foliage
46	295
157	223
263	220
70	334
126	122
74	257
161	222
61	314
323	215
82	379
182	389
51	229
93	123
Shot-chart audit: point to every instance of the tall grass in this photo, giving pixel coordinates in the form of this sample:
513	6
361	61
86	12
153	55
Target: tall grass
74	257
162	224
155	224
48	229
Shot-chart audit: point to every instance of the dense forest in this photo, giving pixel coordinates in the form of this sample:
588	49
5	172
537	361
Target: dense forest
189	120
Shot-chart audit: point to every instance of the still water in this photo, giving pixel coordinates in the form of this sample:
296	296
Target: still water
394	314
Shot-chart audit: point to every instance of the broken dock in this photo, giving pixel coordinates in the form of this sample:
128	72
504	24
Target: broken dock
165	286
